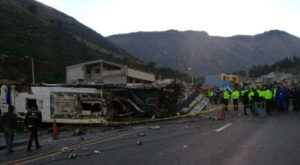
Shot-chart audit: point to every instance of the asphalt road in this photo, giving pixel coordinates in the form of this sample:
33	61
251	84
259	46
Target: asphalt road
240	140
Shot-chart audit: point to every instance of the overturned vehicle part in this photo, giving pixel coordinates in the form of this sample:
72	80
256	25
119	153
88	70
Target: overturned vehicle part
93	104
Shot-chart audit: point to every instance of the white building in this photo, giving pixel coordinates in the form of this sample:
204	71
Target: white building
275	77
101	71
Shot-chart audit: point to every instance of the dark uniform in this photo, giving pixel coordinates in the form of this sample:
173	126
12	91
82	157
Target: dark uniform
246	101
33	120
296	99
10	122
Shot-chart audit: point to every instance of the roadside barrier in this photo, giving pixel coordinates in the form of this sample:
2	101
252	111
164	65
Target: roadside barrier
223	113
55	132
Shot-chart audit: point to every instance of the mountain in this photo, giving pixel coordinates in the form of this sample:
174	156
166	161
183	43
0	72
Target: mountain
208	54
54	39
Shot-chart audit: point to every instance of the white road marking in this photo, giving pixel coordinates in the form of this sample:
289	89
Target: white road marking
225	126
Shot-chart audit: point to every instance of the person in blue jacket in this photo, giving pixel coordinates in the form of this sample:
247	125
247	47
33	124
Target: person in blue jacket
282	96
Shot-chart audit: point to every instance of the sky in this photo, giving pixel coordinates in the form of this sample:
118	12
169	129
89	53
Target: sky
217	17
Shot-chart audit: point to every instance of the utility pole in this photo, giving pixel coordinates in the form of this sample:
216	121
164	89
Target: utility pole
191	69
32	69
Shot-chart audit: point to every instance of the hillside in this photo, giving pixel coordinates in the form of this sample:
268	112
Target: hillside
55	40
208	54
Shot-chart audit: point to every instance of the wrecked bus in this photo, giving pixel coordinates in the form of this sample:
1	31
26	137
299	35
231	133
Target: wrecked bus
90	104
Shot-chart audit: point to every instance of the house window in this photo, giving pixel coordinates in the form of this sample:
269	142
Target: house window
97	70
30	103
86	106
88	71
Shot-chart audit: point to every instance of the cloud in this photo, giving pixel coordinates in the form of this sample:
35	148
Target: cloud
58	4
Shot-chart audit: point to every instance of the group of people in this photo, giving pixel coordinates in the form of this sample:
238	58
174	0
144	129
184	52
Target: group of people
33	120
271	98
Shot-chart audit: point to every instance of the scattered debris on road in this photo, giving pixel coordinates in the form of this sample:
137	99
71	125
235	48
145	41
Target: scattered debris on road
142	134
66	149
214	118
155	127
121	130
73	156
97	152
139	142
77	132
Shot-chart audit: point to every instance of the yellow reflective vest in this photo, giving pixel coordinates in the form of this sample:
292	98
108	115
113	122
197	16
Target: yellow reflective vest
250	95
235	94
268	95
226	95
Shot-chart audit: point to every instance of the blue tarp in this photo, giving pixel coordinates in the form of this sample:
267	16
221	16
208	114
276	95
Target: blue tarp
8	95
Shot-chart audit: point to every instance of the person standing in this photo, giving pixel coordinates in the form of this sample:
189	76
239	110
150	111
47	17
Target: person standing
296	99
289	97
250	97
210	95
235	97
282	95
274	100
245	101
255	101
10	122
32	122
226	99
215	96
268	95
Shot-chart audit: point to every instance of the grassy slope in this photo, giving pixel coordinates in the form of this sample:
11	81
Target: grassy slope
54	40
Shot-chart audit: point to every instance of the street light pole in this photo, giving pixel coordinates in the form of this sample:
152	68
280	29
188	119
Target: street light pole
191	69
192	79
32	69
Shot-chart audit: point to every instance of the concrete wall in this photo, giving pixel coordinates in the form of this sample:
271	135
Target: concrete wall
140	75
109	77
74	73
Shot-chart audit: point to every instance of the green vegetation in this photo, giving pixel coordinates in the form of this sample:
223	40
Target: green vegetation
54	40
287	65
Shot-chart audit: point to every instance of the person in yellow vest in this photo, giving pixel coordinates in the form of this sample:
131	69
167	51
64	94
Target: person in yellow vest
274	100
235	97
226	97
262	95
259	96
268	99
210	95
255	100
250	97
